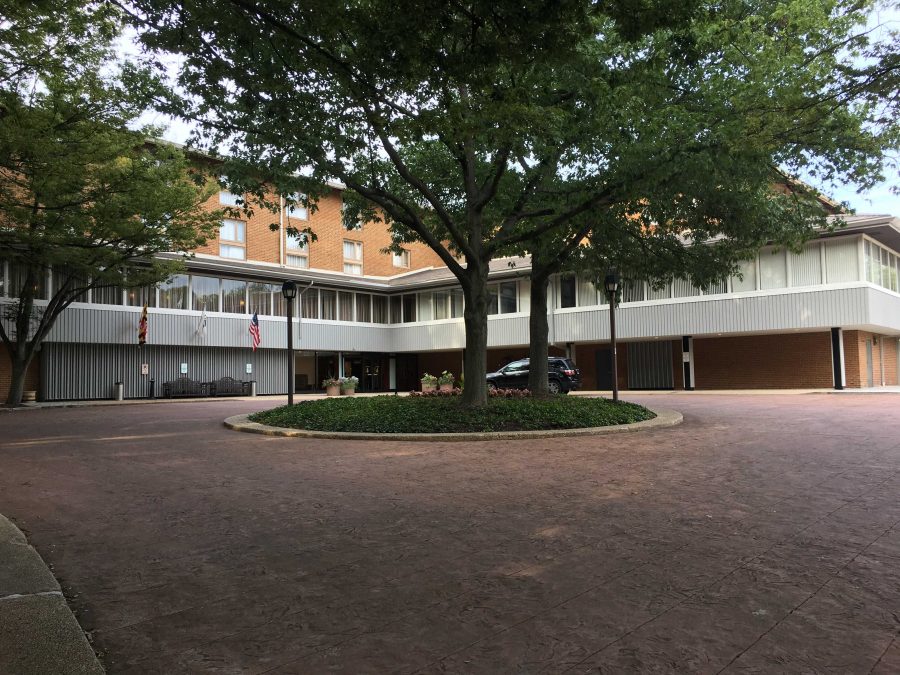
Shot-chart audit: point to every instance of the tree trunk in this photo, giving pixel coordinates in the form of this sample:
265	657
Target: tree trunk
538	351
475	369
19	361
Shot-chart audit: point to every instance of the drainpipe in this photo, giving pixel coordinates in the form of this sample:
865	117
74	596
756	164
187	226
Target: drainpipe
280	230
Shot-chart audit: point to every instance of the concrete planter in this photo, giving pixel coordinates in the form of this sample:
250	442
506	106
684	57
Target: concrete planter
333	390
348	392
29	396
428	387
447	387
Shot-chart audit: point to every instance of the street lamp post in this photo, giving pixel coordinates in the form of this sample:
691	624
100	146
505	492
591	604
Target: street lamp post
289	291
611	282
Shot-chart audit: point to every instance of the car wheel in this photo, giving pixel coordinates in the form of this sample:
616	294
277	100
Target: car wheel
553	387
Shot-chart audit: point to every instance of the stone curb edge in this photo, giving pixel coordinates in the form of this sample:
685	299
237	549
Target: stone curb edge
664	418
38	631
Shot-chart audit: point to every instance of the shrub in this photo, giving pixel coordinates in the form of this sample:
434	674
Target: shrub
444	413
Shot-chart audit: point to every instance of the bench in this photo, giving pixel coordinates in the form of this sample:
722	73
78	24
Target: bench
228	386
184	387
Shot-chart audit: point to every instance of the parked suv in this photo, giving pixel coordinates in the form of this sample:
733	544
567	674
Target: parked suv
564	376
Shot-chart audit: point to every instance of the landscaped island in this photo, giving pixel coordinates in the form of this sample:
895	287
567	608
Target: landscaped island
445	414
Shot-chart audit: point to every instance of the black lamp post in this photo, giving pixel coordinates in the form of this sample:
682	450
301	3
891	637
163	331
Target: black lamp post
289	291
611	282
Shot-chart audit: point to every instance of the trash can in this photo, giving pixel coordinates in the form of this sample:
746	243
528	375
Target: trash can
253	387
118	391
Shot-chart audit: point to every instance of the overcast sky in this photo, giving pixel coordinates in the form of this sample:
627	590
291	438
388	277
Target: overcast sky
880	199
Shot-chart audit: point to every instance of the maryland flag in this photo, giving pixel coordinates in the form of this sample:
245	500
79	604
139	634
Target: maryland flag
142	327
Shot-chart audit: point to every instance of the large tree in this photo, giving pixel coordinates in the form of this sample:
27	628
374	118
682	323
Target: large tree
480	127
82	195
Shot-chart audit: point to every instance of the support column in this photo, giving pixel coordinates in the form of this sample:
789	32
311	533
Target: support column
340	360
687	360
837	358
392	373
570	350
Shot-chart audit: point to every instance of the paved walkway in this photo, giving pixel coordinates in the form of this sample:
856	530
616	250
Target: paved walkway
759	536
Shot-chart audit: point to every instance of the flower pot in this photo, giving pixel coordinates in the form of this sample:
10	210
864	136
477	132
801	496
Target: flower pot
348	392
428	387
29	396
447	387
333	390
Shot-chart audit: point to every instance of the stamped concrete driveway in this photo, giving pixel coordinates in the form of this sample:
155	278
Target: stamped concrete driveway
760	536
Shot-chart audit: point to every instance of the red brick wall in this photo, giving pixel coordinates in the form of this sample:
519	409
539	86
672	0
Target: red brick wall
890	360
586	360
327	251
32	376
796	360
856	362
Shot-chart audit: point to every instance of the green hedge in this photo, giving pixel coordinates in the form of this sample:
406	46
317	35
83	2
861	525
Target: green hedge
403	414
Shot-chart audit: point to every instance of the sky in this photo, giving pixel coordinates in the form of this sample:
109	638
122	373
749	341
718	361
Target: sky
880	199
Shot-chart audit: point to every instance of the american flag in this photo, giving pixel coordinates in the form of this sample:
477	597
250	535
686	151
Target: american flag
254	331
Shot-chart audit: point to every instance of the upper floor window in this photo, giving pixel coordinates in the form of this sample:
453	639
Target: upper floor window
353	256
297	253
227	198
567	291
298	209
233	239
401	259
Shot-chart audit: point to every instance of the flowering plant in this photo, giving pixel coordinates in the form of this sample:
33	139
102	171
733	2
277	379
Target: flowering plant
349	382
446	378
331	382
429	379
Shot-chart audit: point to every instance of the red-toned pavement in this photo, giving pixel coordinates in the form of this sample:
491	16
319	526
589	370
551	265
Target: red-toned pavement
761	535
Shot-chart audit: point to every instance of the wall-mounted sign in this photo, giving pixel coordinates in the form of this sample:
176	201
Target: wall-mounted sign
184	369
249	368
145	369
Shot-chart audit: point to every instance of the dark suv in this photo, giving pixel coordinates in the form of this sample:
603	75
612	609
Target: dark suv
564	376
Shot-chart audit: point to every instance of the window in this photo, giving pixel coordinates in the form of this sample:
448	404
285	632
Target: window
279	304
60	277
173	293
232	239
227	198
353	255
311	303
363	307
345	306
401	259
456	303
297	254
409	308
205	293
396	309
567	291
379	309
106	295
508	297
772	269
587	293
138	297
329	305
234	296
261	298
745	280
492	300
298	210
441	305
17	276
632	291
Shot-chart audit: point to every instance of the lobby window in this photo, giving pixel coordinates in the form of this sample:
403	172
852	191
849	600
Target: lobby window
260	298
379	309
297	252
508	297
567	292
401	259
205	293
298	209
234	296
409	308
310	306
233	239
353	257
173	292
364	307
329	305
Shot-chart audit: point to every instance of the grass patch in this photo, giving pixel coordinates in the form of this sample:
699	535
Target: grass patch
403	414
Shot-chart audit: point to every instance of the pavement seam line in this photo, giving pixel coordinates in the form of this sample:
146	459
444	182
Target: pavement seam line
18	596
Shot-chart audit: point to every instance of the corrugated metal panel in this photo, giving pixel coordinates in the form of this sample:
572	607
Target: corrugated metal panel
650	365
87	371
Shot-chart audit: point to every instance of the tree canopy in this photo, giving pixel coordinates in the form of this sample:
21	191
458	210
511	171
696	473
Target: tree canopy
83	195
481	127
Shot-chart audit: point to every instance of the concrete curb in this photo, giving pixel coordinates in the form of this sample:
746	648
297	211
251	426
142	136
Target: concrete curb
38	632
664	418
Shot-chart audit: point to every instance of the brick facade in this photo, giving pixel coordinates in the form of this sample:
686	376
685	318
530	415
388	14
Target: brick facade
326	253
795	360
856	360
32	375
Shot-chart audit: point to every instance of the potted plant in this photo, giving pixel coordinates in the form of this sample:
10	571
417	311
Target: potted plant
348	385
332	386
446	381
429	382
